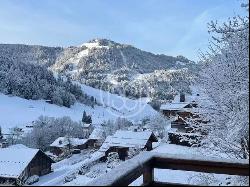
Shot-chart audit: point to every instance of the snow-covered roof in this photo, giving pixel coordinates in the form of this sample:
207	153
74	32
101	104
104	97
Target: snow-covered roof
128	139
174	106
145	135
13	161
64	141
96	134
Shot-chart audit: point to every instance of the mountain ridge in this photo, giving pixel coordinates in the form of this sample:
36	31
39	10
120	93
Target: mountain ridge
107	65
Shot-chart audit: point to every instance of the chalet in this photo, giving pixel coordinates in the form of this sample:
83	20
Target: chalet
180	124
122	141
88	126
18	164
183	110
3	143
96	138
184	139
181	106
62	144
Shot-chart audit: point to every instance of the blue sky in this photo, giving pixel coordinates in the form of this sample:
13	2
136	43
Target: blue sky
169	27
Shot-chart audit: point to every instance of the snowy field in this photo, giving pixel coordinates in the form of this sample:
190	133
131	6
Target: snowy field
15	111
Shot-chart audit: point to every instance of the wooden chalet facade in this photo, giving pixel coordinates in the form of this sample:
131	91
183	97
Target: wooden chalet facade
179	124
181	107
87	128
96	138
180	113
3	143
122	141
122	152
18	164
177	109
185	139
62	144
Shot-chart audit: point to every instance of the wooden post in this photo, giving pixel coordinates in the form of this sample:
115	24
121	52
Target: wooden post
148	175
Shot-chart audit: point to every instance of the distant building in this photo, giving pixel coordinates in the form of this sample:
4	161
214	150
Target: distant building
62	144
180	124
88	126
3	143
177	109
182	106
18	164
122	141
184	139
96	137
181	112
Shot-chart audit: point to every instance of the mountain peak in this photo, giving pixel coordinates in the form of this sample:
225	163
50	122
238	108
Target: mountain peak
102	42
99	42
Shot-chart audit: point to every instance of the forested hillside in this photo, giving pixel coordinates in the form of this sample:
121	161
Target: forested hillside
37	82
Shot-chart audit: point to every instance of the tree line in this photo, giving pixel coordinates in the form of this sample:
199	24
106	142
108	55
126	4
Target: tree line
31	81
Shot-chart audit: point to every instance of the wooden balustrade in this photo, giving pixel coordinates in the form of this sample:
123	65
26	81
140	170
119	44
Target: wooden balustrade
145	163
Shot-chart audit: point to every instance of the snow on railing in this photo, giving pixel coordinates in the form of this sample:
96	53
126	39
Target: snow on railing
144	164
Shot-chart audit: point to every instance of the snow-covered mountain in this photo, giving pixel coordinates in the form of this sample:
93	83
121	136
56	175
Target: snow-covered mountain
119	68
96	52
103	64
107	65
107	56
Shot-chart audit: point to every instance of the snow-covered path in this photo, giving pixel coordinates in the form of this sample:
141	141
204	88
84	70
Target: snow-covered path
67	167
52	179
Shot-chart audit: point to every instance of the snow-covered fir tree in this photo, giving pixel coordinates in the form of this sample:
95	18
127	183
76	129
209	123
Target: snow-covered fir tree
225	80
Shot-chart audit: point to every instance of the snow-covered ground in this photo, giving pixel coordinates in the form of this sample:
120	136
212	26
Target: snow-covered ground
131	109
15	111
70	166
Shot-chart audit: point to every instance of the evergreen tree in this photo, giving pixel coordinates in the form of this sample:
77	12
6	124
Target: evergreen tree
1	135
86	118
31	81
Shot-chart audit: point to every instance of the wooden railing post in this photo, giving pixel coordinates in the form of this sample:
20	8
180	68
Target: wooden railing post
148	175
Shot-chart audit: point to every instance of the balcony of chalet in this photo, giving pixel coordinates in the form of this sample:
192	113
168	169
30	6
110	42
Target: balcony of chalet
145	163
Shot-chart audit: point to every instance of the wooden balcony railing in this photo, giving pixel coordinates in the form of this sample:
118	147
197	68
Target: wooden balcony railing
145	163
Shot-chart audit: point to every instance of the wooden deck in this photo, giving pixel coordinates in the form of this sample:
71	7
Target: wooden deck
145	163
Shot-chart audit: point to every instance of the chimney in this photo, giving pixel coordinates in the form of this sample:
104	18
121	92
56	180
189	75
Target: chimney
182	97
